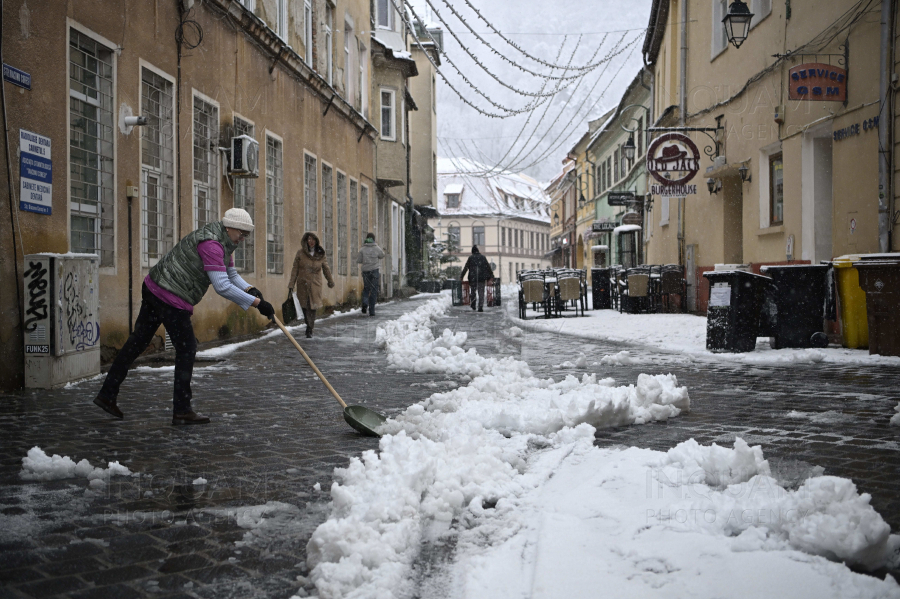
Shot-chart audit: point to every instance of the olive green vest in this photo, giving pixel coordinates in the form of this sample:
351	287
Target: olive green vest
181	270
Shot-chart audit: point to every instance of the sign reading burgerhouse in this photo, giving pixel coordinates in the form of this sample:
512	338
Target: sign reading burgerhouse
673	160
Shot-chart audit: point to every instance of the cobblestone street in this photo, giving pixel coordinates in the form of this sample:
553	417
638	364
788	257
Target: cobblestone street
276	433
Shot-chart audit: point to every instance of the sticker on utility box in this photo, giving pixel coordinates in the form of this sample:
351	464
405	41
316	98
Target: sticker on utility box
720	295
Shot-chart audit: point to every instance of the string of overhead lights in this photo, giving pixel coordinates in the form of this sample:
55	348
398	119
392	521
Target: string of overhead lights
581	72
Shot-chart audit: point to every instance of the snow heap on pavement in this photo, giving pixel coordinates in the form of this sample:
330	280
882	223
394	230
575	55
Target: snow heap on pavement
479	468
895	419
37	465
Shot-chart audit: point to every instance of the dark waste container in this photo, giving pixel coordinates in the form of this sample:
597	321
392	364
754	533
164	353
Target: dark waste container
880	279
429	287
457	291
796	304
735	302
600	288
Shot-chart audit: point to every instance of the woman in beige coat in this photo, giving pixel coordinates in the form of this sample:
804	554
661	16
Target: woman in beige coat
309	266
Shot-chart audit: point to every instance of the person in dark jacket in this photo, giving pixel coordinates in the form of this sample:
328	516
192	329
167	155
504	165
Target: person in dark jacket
479	273
369	257
173	287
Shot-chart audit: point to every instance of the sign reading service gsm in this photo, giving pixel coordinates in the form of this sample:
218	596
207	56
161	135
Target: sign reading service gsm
35	173
818	82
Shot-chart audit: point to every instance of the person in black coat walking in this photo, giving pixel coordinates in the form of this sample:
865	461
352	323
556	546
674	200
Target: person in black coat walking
479	273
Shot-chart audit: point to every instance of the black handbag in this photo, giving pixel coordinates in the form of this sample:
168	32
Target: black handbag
288	309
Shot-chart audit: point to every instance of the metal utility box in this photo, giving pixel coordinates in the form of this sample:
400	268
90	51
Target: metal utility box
62	320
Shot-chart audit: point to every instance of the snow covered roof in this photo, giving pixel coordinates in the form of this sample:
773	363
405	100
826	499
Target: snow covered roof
501	194
626	229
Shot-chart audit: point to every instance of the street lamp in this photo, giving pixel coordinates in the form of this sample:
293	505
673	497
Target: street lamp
556	218
712	185
744	172
629	148
737	22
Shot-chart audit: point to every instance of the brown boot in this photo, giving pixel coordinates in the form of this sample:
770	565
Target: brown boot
189	418
109	406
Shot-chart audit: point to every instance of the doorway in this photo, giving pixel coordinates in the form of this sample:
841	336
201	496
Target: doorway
817	198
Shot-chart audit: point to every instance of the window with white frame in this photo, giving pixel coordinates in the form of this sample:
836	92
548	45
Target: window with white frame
452	200
328	213
157	167
308	31
363	85
719	37
206	162
349	77
403	120
353	215
760	9
249	4
385	15
329	43
245	197
310	192
478	235
364	208
663	211
388	97
341	223
91	134
274	206
282	18
776	189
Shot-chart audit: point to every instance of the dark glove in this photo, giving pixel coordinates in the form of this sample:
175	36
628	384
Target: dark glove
331	284
255	293
266	309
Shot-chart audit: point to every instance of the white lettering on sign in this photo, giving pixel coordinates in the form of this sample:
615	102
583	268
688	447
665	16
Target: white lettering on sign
36	173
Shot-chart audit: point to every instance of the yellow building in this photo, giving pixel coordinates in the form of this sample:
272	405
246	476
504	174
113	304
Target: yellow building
794	169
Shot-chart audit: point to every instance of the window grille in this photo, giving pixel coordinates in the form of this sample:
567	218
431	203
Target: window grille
274	207
244	197
364	208
310	192
206	162
91	135
342	223
354	224
157	157
328	213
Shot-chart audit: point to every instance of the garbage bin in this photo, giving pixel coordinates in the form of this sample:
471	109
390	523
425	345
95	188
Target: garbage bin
880	279
456	292
795	304
600	289
735	302
429	287
854	322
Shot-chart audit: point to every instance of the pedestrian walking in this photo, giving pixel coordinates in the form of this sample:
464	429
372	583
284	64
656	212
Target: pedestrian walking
309	266
370	256
480	272
170	291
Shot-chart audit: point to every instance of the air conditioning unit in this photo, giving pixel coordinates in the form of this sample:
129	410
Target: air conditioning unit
244	159
62	318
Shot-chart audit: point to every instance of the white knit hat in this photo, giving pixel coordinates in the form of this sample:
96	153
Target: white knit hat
237	218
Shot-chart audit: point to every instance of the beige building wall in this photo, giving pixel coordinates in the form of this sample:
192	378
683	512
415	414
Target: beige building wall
423	132
244	71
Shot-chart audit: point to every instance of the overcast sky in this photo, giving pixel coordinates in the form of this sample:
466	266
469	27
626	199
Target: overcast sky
539	28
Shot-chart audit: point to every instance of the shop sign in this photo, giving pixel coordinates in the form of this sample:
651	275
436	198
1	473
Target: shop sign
673	191
817	81
17	77
632	218
620	198
673	160
35	173
602	227
851	130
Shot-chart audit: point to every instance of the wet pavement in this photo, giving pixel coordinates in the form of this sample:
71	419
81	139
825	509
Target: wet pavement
276	433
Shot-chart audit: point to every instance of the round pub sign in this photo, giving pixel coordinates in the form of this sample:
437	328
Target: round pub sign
673	159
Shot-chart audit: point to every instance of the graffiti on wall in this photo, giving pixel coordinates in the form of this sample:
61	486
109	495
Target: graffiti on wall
36	282
78	327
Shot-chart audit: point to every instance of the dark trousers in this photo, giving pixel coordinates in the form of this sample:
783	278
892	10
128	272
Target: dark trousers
479	287
371	280
309	315
155	312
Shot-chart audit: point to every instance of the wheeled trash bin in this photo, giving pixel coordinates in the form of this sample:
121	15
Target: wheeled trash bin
735	302
880	279
796	303
600	285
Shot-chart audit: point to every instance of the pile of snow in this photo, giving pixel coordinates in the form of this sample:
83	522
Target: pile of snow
506	468
37	465
895	419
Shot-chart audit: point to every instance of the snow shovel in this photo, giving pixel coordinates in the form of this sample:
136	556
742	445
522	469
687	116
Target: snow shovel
362	419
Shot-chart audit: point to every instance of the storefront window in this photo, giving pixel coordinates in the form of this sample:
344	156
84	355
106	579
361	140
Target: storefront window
776	188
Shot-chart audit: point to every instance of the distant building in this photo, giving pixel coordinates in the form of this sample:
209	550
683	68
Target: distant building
507	215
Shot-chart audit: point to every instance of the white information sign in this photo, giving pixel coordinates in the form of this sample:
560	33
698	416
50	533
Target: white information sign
35	173
720	295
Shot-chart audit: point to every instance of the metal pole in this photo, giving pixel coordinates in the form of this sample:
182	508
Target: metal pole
884	141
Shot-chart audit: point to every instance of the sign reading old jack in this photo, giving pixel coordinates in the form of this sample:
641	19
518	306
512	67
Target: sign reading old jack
673	160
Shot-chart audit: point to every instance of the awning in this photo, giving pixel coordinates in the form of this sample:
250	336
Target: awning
626	229
552	252
597	248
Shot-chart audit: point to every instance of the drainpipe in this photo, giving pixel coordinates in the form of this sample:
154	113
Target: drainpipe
884	192
682	86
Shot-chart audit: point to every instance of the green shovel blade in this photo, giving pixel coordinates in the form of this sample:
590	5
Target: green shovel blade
364	420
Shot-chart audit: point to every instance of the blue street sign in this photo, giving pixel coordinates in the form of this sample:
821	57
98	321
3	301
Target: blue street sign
16	77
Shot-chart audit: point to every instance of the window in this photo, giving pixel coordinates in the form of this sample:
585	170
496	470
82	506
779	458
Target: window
403	120
434	170
776	189
250	4
329	43
385	15
244	197
363	84
454	238
387	115
532	240
760	9
91	148
719	37
348	77
663	211
282	16
640	137
364	208
354	222
617	171
478	235
274	206
341	223
452	200
308	31
206	162
503	236
310	193
328	213
157	168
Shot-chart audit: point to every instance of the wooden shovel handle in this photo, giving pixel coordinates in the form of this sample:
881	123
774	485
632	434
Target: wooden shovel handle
310	362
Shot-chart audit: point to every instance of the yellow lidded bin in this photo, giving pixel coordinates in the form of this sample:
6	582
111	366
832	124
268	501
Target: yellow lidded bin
854	320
